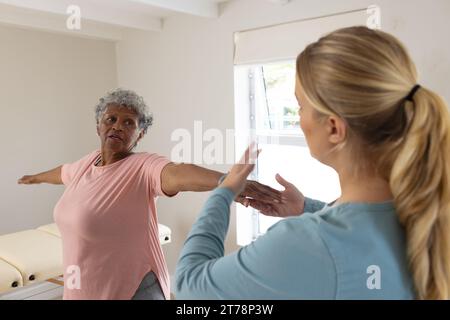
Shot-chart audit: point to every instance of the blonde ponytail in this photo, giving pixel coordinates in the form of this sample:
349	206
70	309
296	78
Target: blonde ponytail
364	76
420	182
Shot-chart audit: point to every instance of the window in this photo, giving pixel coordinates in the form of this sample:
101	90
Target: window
266	109
276	111
273	121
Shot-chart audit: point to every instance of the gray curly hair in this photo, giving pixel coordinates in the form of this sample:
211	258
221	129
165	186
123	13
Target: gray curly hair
127	99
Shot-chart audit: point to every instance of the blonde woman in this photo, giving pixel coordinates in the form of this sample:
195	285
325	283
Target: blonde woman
387	237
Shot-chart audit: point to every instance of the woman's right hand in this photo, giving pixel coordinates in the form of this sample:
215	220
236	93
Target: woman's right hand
52	176
28	180
292	204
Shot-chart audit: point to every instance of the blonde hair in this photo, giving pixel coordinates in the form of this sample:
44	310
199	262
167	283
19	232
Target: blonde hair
364	76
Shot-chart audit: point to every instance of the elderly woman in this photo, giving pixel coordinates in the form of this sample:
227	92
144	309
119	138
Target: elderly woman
107	215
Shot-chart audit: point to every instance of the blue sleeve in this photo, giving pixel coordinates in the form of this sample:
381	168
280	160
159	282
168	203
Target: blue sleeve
312	205
303	269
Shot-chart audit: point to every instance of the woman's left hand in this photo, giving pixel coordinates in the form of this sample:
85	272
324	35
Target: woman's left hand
255	191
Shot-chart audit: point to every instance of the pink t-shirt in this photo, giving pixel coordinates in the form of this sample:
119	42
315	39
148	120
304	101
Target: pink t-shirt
109	228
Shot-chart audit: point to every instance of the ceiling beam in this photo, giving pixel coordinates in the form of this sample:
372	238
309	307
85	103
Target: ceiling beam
202	8
90	11
32	19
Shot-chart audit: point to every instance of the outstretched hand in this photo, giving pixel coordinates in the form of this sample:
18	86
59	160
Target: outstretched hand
236	179
27	180
292	203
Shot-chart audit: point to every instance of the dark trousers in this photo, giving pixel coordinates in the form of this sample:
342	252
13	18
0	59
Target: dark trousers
149	289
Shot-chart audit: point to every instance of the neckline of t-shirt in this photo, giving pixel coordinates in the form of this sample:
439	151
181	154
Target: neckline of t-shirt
111	165
368	206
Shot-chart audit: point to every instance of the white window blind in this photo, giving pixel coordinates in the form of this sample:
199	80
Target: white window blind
285	41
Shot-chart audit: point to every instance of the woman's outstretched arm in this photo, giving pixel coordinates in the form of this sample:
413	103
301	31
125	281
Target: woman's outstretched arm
189	177
52	176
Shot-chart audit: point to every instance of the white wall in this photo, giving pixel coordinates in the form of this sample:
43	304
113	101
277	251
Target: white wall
49	85
186	73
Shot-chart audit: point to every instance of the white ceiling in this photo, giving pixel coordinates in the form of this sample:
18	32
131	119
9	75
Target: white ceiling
103	18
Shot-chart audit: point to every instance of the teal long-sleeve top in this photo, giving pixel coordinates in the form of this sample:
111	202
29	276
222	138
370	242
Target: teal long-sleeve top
348	251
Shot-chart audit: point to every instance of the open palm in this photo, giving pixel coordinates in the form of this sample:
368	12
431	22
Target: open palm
236	179
292	203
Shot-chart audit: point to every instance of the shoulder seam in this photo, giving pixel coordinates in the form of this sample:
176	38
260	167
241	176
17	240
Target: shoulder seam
334	262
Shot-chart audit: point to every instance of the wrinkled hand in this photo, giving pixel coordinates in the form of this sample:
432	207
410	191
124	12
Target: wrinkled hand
292	203
27	180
